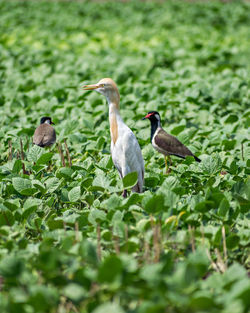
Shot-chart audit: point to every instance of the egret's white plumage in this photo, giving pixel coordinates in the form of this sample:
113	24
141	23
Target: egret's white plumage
125	150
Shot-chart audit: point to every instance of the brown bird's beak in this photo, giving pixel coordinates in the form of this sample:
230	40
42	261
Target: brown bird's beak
90	87
52	123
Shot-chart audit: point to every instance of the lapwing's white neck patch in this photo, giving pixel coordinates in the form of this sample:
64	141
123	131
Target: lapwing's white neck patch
47	122
158	120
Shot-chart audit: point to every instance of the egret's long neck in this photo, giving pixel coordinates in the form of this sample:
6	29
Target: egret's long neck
114	120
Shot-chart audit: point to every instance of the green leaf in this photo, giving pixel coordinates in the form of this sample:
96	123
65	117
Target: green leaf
202	301
110	269
232	241
74	292
52	184
130	180
211	164
35	153
74	194
109	307
6	216
96	216
224	207
17	166
45	158
11	267
43	297
154	204
151	181
100	182
21	184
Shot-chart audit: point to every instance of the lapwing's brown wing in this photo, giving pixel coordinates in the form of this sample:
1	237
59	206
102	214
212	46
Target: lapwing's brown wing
44	135
171	145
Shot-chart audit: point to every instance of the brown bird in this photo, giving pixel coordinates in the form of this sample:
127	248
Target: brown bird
45	134
165	143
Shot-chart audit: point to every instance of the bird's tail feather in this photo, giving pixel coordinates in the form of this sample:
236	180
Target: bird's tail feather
197	159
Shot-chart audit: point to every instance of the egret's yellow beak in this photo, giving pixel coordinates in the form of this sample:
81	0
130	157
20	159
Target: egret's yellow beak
90	87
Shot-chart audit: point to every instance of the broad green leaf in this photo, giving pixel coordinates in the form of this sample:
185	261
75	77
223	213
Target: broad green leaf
45	158
21	184
109	307
52	184
110	269
154	204
74	292
211	164
96	216
35	153
74	194
130	180
6	216
224	207
11	266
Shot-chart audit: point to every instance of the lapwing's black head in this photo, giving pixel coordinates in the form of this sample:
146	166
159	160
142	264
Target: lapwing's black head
155	120
153	116
46	119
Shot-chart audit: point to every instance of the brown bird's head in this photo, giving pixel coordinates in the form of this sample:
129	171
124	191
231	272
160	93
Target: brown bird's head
108	88
46	119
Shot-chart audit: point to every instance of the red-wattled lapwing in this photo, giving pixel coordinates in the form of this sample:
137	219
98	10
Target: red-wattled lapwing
165	143
125	150
45	134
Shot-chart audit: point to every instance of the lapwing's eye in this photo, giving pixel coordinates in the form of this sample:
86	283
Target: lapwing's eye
102	85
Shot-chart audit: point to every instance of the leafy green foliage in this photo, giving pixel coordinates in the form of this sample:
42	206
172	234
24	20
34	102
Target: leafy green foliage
69	242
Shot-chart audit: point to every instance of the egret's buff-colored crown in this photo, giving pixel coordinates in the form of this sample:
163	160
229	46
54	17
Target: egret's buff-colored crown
110	90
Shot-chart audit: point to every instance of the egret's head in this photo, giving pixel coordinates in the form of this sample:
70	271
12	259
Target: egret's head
108	88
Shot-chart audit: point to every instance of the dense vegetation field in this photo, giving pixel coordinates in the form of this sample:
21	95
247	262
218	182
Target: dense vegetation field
69	242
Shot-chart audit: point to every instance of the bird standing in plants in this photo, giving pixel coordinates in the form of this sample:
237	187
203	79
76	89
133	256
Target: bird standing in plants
165	143
45	134
125	149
